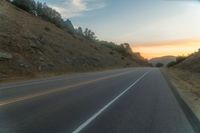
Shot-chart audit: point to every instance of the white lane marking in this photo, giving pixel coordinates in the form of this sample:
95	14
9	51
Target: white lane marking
87	122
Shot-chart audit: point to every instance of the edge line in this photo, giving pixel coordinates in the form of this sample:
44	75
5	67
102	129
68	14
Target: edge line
94	116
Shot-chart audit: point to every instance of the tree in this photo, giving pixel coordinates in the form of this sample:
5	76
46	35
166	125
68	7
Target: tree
90	35
80	31
68	24
39	9
127	47
49	14
27	5
45	12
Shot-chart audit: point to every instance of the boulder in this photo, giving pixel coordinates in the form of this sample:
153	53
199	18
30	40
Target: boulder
5	56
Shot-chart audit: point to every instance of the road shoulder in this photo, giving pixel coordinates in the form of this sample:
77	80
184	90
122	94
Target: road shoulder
175	82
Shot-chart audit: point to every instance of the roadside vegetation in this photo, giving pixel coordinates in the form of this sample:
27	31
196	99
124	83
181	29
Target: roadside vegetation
159	65
49	14
179	59
188	85
185	75
37	41
45	12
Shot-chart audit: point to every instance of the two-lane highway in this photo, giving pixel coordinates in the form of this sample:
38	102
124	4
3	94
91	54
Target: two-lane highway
133	100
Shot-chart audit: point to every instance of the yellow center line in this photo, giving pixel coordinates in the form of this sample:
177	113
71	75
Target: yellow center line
18	99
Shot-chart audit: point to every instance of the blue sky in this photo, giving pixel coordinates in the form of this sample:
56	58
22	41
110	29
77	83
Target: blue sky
134	21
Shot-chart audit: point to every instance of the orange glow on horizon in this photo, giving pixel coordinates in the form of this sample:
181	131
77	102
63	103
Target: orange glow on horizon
165	48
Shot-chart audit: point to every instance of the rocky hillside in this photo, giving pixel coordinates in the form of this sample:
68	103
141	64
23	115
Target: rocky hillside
192	63
30	46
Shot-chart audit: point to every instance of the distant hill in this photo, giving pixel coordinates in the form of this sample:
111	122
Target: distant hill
30	46
164	59
192	63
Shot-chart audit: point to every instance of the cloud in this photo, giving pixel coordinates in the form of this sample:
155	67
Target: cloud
74	8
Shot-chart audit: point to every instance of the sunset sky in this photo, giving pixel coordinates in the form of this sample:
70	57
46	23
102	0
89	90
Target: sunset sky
152	27
163	48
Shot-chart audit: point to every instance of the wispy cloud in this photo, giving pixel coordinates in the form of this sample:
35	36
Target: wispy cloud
74	8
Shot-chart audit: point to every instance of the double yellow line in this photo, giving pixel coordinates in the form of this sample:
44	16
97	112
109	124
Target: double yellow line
31	96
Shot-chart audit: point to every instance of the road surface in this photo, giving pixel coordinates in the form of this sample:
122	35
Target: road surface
133	100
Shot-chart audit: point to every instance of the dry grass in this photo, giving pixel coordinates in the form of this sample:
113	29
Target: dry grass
188	85
39	47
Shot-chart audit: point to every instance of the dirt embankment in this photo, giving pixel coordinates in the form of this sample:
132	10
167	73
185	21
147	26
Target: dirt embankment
192	63
188	85
30	47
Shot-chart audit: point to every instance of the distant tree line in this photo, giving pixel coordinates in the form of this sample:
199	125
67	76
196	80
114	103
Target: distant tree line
49	14
125	50
43	11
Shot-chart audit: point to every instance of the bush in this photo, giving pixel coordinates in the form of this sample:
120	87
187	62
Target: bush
179	59
159	65
171	64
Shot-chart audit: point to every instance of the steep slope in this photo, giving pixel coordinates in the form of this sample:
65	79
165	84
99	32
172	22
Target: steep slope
30	46
192	63
165	60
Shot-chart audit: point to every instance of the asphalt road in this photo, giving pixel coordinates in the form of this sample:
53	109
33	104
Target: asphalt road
133	100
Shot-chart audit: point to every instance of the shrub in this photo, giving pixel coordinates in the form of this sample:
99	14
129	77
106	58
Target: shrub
159	65
171	64
179	59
